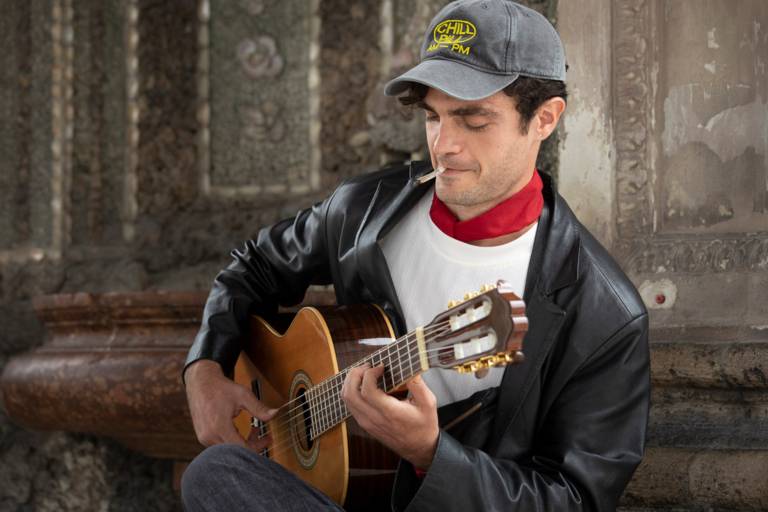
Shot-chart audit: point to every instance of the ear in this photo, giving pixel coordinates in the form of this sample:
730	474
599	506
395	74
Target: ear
547	116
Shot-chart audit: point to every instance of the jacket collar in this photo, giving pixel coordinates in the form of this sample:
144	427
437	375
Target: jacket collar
555	257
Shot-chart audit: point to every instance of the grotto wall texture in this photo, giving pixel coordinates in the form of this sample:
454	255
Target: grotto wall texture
141	141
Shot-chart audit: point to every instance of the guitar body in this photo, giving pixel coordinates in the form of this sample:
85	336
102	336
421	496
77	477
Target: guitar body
345	462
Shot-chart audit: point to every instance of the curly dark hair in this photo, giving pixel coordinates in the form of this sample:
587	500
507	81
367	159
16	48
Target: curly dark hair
529	94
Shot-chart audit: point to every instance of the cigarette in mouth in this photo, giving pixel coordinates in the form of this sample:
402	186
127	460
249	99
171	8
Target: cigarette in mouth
437	172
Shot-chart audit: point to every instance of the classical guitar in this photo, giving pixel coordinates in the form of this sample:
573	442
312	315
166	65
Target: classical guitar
301	372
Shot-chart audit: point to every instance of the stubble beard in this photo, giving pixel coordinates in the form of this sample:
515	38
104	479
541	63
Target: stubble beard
485	191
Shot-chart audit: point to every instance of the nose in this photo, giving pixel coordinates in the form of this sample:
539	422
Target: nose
446	140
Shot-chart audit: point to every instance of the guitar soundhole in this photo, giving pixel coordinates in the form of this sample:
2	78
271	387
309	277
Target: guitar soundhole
304	422
305	448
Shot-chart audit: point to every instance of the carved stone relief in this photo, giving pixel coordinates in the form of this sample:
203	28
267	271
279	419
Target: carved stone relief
691	158
258	74
714	152
30	228
99	123
14	136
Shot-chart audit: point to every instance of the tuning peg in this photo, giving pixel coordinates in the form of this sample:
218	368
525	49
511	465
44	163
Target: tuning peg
487	288
453	304
468	367
516	357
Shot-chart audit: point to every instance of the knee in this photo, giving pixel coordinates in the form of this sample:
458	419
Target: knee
206	472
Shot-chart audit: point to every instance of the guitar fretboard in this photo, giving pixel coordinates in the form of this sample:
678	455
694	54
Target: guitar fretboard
401	361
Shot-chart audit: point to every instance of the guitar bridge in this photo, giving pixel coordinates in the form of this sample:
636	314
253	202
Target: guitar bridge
260	426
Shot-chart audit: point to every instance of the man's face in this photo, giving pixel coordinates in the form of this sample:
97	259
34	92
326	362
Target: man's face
486	156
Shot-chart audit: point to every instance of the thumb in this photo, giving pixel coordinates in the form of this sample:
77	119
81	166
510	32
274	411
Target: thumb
257	408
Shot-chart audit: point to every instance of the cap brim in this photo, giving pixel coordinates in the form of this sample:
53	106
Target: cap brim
451	77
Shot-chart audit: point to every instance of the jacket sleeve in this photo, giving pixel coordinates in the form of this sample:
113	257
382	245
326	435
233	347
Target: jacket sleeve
276	268
586	448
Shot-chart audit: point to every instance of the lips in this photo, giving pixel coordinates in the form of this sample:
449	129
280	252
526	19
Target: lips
452	170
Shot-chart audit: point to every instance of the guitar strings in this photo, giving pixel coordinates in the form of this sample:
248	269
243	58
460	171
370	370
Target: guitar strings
331	390
339	414
428	331
408	338
285	419
281	428
286	424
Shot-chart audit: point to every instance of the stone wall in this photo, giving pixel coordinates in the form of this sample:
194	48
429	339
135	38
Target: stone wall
143	140
664	157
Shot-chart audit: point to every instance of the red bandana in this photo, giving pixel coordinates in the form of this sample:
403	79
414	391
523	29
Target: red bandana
509	216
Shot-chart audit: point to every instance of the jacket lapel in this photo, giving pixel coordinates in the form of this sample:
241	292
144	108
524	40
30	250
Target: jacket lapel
545	321
553	266
390	202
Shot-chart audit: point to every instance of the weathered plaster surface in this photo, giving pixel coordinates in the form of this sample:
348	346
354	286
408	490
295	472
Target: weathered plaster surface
713	105
586	150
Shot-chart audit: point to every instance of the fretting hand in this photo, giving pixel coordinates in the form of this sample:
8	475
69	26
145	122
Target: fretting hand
408	427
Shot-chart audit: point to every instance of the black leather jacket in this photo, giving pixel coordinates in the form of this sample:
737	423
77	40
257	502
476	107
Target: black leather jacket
566	428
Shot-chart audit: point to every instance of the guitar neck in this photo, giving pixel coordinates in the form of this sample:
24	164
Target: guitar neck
402	360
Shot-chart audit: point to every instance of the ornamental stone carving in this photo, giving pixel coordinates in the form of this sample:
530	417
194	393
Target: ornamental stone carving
263	124
259	58
253	7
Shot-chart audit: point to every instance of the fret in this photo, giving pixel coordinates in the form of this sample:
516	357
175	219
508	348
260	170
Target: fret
395	352
342	406
396	370
326	406
386	354
338	402
410	356
323	407
332	403
387	371
310	397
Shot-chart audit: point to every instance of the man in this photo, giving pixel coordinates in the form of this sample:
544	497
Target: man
562	431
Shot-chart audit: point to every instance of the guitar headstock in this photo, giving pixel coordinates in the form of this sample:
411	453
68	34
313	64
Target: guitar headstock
484	330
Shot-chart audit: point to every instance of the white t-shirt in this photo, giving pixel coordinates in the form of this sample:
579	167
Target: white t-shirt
429	269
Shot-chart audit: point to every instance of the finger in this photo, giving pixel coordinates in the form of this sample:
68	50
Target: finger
352	395
258	442
421	395
229	434
254	406
353	381
369	388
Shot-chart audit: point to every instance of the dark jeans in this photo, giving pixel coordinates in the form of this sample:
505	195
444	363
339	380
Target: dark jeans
230	478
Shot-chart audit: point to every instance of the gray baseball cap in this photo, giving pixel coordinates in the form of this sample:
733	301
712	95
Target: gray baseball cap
475	48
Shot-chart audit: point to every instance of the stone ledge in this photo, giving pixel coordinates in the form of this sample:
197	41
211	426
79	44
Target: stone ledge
710	364
674	478
715	419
